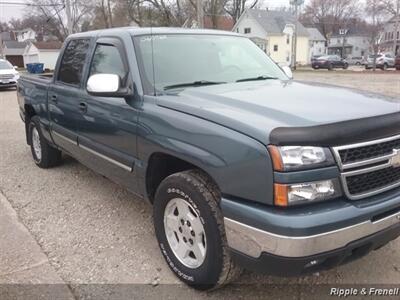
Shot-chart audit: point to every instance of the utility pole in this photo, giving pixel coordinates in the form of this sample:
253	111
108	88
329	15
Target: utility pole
69	17
200	14
296	4
343	33
396	27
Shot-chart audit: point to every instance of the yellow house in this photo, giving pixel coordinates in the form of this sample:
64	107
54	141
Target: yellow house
273	32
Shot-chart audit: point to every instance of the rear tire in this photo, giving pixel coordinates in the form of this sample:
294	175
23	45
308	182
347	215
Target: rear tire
330	67
345	67
44	155
384	67
191	196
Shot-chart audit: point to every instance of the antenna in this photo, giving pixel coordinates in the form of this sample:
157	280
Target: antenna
152	59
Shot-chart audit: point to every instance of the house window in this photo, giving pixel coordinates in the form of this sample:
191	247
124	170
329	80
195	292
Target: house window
275	48
237	30
398	34
288	39
247	30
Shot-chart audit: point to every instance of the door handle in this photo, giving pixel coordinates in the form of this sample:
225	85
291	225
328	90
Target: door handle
83	106
54	98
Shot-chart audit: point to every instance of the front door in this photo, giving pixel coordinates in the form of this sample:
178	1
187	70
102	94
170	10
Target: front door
107	126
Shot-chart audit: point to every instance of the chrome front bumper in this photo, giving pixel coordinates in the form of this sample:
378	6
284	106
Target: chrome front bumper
252	241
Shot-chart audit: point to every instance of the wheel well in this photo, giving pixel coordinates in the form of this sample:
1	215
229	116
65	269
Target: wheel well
29	113
160	166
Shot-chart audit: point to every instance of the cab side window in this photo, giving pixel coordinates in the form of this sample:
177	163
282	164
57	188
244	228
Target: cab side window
107	60
73	61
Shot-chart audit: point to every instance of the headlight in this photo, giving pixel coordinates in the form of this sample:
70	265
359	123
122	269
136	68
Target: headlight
289	158
300	193
16	76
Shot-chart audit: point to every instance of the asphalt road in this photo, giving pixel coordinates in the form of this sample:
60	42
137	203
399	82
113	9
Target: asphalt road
94	231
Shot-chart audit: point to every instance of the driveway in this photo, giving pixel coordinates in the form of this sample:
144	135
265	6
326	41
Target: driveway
92	231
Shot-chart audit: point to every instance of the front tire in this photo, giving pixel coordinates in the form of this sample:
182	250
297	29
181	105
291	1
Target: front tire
190	230
44	155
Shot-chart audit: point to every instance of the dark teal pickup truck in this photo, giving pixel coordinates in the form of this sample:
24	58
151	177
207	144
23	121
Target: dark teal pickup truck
244	166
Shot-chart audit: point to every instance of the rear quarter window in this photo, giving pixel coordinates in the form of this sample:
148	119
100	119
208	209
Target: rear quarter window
73	61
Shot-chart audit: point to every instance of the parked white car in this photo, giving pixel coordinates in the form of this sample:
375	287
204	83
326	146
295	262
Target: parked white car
383	61
8	74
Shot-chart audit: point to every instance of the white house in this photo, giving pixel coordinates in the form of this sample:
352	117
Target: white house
317	42
13	51
349	43
273	32
42	52
389	35
25	35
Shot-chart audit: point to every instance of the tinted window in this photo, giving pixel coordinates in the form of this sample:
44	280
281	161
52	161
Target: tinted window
186	58
107	60
73	60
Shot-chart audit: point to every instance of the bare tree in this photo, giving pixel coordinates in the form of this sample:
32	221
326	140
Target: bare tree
53	12
235	8
330	15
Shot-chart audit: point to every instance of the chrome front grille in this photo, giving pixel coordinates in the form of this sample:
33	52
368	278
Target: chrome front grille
369	168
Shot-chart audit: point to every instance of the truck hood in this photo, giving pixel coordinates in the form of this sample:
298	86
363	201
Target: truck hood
256	108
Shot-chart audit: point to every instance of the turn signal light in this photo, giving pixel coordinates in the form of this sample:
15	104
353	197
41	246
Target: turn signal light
281	194
276	158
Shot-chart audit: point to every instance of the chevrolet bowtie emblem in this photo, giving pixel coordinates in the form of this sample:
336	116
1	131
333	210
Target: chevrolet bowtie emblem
395	160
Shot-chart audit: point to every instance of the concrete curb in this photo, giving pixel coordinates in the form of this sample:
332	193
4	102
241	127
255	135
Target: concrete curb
24	266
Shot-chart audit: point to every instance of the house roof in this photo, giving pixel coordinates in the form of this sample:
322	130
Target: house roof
315	34
15	45
274	22
14	48
53	45
352	32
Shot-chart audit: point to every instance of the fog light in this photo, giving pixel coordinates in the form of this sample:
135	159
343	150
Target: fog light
314	263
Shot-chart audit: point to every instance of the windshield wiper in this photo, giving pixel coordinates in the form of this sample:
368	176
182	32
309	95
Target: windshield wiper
194	83
262	77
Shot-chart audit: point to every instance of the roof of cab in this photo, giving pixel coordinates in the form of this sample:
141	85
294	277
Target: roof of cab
152	30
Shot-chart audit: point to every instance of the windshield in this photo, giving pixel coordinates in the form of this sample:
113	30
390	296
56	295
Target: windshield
202	59
375	56
5	65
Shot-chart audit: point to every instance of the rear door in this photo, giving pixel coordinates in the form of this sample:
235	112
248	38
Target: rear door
107	126
64	94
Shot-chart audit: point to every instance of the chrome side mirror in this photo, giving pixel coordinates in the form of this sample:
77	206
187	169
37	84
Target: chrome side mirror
103	84
288	71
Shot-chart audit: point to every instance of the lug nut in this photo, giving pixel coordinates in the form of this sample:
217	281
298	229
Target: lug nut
184	239
191	242
192	233
182	222
188	223
180	229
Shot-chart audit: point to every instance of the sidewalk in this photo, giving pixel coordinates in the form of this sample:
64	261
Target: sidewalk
24	268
